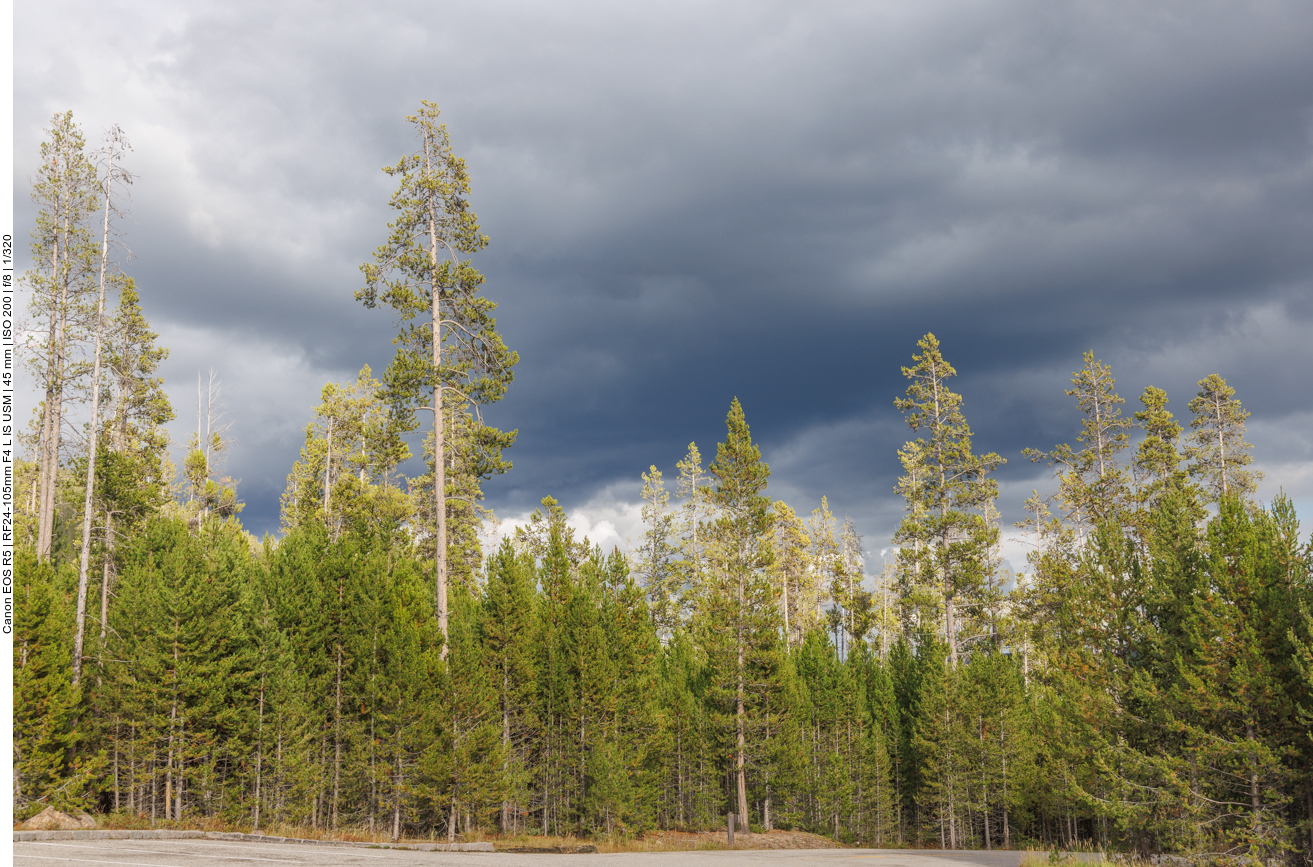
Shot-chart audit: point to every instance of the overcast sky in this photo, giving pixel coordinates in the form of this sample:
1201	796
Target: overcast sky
690	201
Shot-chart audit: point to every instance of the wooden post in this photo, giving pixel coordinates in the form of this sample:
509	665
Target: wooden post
729	826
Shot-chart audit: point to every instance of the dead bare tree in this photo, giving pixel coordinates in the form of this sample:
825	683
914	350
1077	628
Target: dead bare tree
114	175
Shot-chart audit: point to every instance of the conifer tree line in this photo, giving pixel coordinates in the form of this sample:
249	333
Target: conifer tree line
1144	683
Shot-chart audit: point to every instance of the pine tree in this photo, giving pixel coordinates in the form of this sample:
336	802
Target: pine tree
836	706
904	690
138	410
66	195
1235	688
408	696
657	557
857	601
464	764
279	709
936	741
622	777
49	769
829	571
475	453
794	574
510	636
690	797
377	568
315	587
739	606
457	355
344	474
591	672
1157	457
176	655
1092	483
996	746
879	769
1218	451
132	479
557	779
946	538
694	512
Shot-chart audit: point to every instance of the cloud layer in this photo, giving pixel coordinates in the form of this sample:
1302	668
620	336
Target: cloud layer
696	201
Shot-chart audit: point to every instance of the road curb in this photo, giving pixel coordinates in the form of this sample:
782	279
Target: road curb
417	847
38	836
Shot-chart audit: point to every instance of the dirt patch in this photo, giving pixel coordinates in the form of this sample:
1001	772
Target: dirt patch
661	841
658	840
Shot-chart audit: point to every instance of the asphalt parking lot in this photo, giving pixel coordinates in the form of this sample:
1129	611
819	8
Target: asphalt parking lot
192	853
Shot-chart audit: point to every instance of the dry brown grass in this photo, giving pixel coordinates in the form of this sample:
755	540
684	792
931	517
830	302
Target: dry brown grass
132	822
655	841
1043	860
667	841
1060	859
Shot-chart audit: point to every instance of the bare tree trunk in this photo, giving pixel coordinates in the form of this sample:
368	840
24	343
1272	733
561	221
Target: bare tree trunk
1255	800
785	596
168	773
51	429
48	447
104	578
950	627
679	778
92	443
278	759
321	797
396	803
133	801
952	818
116	765
1221	441
984	784
39	483
948	764
259	757
506	750
439	423
1007	835
337	708
328	468
373	753
36	476
177	792
739	759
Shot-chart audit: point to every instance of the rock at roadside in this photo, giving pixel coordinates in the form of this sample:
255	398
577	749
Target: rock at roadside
51	819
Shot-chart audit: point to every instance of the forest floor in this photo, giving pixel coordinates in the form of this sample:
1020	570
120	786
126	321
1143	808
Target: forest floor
667	841
654	841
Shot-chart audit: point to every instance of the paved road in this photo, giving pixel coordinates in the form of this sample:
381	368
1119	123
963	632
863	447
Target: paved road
214	853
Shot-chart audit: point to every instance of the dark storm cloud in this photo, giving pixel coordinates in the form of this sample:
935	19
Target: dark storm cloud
702	201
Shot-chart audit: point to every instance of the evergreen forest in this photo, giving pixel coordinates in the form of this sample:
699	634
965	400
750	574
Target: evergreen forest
1143	683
